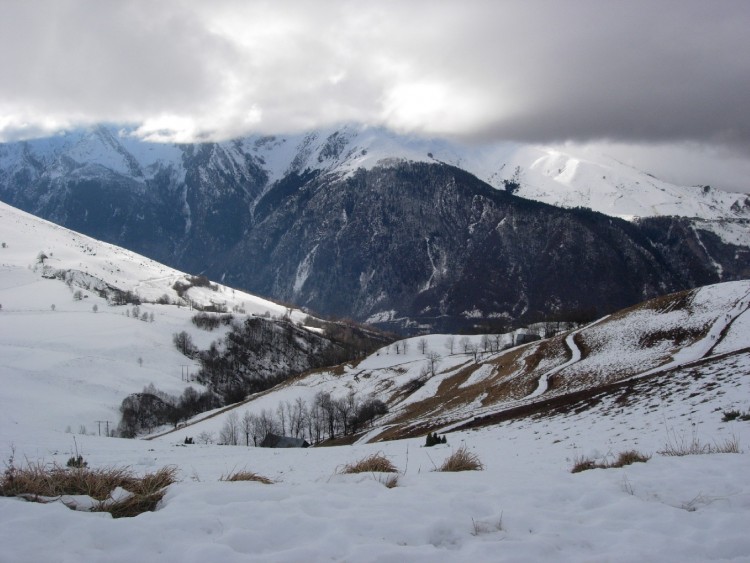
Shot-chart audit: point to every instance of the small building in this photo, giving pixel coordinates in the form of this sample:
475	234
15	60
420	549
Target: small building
276	441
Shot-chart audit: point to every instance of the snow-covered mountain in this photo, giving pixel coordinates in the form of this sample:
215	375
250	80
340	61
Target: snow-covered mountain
562	177
362	223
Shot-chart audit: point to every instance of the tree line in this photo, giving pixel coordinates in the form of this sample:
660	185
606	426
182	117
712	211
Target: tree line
325	418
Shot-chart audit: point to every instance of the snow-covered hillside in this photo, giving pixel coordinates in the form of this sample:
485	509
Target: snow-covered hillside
70	365
66	351
555	175
439	382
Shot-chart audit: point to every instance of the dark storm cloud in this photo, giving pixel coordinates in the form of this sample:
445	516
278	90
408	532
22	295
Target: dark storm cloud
541	71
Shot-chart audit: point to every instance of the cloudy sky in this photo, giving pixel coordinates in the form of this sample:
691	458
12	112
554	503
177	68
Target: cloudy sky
664	85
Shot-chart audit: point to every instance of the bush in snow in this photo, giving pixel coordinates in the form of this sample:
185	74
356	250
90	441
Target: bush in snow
433	439
76	462
461	460
375	463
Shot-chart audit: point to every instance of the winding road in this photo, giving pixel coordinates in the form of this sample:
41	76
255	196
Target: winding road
575	356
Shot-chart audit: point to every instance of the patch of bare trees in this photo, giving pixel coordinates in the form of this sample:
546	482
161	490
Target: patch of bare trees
326	417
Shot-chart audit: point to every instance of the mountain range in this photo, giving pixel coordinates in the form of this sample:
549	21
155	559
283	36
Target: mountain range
412	234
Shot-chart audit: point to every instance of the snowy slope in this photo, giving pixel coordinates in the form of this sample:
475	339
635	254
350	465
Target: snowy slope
72	363
651	339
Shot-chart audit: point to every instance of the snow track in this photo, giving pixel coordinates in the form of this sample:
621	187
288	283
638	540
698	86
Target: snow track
575	356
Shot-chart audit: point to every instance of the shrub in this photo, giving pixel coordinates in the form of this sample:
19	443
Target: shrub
461	460
201	281
433	440
375	463
76	462
735	415
210	322
246	476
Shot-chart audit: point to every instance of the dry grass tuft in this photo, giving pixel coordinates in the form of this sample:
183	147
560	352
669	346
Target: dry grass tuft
629	457
246	476
375	463
623	459
461	460
390	481
40	482
680	447
131	506
584	464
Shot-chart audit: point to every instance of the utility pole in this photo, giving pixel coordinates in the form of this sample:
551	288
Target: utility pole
99	424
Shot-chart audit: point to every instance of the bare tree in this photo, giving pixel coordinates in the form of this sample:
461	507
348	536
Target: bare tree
316	421
264	425
474	350
345	409
230	432
206	437
300	416
498	339
422	345
247	427
450	343
184	343
486	343
282	418
329	412
433	360
465	343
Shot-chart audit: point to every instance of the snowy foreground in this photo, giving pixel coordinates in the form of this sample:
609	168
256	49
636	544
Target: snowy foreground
525	505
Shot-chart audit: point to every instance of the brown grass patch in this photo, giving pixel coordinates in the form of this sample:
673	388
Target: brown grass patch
624	458
628	458
375	463
682	446
584	464
246	476
461	460
40	482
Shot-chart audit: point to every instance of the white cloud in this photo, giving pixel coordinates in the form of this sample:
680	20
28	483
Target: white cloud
544	71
